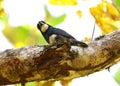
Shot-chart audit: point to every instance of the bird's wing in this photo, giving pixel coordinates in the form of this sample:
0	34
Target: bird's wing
63	33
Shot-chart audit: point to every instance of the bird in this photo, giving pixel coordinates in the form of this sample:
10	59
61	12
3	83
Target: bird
56	35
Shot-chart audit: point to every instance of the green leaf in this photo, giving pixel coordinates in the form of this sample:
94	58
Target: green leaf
117	76
53	20
117	2
23	35
28	84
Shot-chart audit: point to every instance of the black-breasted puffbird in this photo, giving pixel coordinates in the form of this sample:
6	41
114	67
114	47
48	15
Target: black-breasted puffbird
55	35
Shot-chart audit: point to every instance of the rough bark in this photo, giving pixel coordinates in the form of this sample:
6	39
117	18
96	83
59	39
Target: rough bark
58	62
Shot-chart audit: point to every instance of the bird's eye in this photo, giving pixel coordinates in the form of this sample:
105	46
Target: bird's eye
42	22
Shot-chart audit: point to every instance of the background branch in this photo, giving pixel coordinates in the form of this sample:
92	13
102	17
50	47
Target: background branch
58	62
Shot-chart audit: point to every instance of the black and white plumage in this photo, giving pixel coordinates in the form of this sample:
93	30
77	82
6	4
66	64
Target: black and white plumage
55	35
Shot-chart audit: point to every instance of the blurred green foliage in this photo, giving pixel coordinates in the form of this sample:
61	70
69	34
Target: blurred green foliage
29	35
53	20
28	84
117	76
26	34
23	35
117	3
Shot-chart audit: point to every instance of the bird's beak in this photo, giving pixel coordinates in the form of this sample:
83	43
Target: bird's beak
40	23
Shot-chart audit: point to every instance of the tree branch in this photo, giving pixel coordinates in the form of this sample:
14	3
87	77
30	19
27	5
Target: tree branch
59	62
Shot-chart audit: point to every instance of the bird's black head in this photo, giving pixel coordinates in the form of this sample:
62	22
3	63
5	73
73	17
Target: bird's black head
42	26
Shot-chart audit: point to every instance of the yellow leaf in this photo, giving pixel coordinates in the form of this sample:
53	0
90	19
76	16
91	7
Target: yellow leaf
101	7
107	17
117	24
79	13
19	44
63	2
112	10
106	28
87	39
2	13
